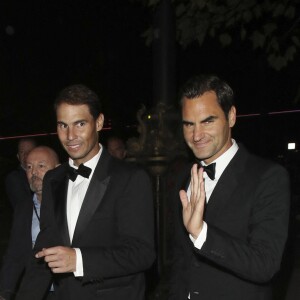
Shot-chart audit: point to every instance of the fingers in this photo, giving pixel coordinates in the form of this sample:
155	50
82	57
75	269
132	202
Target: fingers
58	262
193	205
41	254
48	251
184	198
196	188
59	259
196	183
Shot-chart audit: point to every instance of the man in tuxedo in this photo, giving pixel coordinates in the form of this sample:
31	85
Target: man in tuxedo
233	221
16	183
25	227
97	224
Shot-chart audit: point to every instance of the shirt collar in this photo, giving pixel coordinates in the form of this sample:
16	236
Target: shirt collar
223	160
92	163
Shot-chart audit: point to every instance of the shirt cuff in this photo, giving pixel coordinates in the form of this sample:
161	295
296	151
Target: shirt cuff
200	240
79	263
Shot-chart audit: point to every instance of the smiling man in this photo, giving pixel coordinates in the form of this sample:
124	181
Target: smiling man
235	209
97	221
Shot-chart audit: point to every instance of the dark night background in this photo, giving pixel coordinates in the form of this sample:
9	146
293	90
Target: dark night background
57	43
47	45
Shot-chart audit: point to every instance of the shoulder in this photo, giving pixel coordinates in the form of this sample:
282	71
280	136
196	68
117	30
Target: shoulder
56	173
256	165
126	169
16	173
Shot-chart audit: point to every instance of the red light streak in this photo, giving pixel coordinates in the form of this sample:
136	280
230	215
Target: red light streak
36	135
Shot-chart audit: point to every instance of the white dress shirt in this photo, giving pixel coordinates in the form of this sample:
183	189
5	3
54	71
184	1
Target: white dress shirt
221	163
75	197
35	224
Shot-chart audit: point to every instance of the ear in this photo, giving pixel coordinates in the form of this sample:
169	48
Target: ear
232	116
100	122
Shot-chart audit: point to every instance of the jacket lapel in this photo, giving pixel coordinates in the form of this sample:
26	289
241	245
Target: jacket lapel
94	195
60	187
226	186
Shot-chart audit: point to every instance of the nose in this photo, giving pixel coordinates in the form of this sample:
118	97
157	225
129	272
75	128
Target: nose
33	170
70	134
198	133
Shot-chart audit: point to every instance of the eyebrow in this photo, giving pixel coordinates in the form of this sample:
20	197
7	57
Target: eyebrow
210	118
80	121
74	123
187	122
60	122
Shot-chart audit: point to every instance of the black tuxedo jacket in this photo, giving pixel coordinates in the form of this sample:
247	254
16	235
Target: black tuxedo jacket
114	231
247	217
17	186
19	249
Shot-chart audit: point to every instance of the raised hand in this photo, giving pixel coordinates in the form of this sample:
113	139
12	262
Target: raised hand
193	207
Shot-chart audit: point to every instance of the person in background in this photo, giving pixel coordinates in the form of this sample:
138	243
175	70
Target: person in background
116	147
233	225
26	225
16	183
97	220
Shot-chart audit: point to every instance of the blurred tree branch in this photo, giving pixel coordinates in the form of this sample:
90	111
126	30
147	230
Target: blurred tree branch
270	26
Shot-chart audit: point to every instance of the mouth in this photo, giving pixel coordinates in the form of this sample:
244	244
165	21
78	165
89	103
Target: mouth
73	147
35	181
201	144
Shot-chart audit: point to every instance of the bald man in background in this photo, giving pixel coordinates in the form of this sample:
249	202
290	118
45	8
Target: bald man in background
26	227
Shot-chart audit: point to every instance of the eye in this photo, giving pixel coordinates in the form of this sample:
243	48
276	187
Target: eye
28	167
187	124
209	120
62	126
80	124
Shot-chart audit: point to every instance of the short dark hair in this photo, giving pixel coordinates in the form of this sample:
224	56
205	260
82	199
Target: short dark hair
198	85
29	140
79	94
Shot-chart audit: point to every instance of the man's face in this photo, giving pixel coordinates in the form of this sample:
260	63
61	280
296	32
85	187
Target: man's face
23	149
116	148
38	162
205	127
78	131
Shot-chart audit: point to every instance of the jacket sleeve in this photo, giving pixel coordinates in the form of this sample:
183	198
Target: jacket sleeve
19	250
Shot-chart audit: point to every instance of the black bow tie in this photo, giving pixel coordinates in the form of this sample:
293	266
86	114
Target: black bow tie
209	169
82	170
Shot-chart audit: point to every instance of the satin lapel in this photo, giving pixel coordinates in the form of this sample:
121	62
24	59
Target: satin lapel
94	195
226	186
60	188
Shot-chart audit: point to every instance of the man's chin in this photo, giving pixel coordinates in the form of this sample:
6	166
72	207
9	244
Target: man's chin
202	156
74	156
